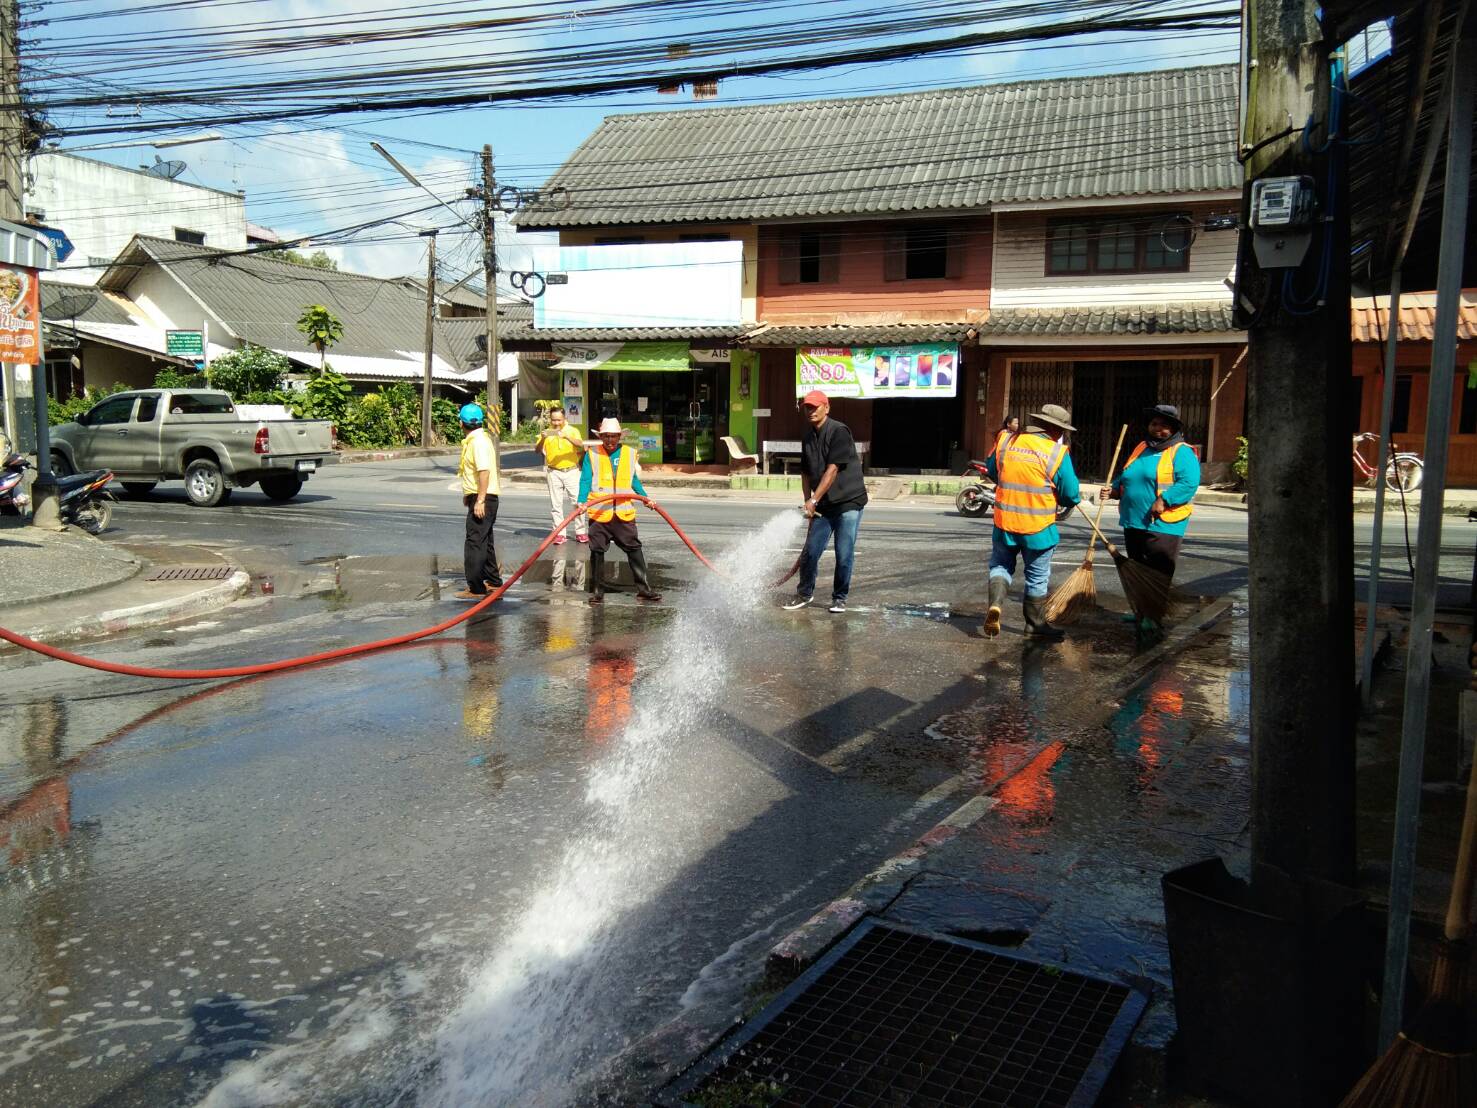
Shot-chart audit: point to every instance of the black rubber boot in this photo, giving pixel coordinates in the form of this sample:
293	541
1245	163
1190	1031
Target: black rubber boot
1037	625
597	578
637	559
998	588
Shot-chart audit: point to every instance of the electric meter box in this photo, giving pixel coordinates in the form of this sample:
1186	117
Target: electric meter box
1282	203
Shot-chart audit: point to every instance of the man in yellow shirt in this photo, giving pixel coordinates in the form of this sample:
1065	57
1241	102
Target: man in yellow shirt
563	450
479	473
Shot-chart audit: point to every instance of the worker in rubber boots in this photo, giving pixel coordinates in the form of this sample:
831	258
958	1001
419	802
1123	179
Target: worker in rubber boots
480	485
1033	474
612	468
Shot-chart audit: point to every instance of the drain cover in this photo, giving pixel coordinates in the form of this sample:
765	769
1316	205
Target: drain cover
893	1016
190	573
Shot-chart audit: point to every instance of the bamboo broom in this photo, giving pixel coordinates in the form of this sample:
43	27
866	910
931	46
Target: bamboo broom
1431	1063
1079	591
1148	590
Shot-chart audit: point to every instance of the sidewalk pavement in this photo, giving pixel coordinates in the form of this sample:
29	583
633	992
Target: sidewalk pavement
67	585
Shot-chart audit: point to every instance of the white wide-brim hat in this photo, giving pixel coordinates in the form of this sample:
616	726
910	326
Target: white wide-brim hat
609	427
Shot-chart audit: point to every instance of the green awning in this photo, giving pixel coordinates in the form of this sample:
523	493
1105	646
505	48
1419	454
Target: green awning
629	357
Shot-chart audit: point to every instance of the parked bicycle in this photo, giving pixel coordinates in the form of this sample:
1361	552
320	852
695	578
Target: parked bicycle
1404	473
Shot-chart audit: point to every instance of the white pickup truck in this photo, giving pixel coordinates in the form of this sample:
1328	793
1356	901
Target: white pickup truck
152	435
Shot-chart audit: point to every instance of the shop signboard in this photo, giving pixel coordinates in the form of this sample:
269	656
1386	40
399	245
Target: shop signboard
185	344
20	315
879	372
643	357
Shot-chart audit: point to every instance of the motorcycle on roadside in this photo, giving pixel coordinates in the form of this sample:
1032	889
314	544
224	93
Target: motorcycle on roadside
83	498
978	497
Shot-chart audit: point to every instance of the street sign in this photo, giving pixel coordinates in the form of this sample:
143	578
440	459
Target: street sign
557	279
61	246
185	344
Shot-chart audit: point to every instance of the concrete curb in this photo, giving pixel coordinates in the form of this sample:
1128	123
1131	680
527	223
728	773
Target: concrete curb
347	457
136	567
213	597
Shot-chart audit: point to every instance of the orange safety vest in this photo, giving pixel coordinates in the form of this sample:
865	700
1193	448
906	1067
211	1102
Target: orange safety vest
1163	479
609	479
1025	491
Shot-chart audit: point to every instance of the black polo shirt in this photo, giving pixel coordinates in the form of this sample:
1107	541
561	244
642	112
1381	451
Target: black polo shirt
833	445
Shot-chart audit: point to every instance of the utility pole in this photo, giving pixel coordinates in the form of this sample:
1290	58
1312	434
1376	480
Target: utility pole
489	271
12	121
430	237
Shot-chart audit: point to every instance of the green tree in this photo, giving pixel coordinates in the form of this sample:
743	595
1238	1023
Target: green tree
326	396
251	369
322	329
316	260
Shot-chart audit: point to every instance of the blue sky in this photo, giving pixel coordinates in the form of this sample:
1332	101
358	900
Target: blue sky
302	178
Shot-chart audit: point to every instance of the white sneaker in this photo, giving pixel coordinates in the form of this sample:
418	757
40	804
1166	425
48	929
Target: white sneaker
838	607
797	602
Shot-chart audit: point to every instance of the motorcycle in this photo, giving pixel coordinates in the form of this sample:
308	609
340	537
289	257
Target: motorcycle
977	498
83	499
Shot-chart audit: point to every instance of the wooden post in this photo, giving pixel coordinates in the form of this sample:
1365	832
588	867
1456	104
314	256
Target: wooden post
1300	527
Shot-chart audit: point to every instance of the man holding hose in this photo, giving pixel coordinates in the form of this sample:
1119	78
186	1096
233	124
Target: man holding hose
1033	474
608	469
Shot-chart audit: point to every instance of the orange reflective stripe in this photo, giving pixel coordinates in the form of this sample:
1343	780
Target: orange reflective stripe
1025	494
608	479
1163	479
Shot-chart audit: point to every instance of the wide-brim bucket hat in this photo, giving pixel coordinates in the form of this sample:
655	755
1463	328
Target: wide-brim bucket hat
1055	415
609	426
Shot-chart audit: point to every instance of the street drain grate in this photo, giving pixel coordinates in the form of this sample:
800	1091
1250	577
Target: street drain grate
190	573
893	1016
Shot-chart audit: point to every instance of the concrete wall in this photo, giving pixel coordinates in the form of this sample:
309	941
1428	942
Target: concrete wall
105	366
1021	280
101	206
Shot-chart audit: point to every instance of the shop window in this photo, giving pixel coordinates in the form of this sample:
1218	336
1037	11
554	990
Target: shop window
1400	413
1133	244
809	258
923	254
1468	420
194	238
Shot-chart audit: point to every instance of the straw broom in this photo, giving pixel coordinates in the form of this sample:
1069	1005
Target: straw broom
1079	591
1148	590
1431	1063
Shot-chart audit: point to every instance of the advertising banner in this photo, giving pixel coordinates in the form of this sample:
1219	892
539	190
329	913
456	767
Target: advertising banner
878	372
20	315
644	357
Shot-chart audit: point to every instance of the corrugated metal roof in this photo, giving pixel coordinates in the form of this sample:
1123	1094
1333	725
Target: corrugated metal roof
83	303
1113	319
522	333
1133	134
842	334
1370	320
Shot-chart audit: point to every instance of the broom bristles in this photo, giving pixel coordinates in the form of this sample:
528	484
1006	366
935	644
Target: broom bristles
1076	593
1148	591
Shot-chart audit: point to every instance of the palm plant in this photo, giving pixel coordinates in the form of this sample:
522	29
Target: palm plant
322	329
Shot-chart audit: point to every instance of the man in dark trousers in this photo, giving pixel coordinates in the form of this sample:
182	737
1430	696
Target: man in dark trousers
831	479
611	468
478	471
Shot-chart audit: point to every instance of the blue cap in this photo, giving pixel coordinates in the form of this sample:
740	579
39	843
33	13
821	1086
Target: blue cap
471	414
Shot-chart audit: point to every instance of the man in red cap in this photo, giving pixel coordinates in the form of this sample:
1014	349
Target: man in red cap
831	478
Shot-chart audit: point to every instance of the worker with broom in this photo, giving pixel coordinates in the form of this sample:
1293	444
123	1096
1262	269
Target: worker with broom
1155	490
1033	474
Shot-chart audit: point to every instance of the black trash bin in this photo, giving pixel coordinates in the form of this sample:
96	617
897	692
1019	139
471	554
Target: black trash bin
1266	985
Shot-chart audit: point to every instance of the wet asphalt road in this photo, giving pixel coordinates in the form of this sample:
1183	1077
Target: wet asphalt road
333	886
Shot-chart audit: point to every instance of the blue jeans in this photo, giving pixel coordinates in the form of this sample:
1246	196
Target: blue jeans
844	527
1038	565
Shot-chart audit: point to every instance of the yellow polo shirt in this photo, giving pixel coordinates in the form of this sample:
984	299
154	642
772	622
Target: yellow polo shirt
562	451
478	453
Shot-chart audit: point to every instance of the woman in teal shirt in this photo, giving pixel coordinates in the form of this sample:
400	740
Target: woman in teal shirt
1155	489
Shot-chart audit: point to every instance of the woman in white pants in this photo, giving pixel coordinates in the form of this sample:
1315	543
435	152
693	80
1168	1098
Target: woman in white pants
563	451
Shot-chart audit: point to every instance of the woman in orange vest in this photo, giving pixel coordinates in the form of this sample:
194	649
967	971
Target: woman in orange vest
612	468
1033	474
1155	489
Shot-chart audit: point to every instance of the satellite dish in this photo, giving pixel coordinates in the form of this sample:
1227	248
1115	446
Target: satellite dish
68	306
168	170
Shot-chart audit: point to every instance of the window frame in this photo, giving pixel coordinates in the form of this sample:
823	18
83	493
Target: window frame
189	237
1145	225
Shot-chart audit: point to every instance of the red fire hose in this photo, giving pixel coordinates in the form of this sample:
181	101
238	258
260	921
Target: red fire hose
362	648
